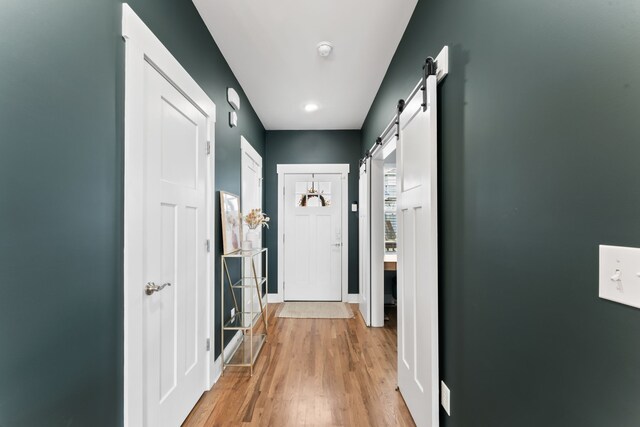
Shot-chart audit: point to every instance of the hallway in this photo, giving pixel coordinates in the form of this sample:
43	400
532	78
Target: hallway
313	372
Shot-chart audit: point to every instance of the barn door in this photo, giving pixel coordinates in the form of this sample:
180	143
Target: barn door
418	257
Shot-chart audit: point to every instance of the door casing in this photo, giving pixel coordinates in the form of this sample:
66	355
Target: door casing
141	46
372	246
338	168
247	150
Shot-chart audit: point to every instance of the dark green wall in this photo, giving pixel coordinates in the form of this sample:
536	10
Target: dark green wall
322	146
60	215
61	112
539	149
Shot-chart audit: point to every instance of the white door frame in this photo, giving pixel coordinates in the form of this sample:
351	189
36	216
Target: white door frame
141	47
247	148
336	168
374	246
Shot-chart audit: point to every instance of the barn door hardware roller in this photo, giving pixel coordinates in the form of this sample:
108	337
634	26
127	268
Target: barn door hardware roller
428	69
401	105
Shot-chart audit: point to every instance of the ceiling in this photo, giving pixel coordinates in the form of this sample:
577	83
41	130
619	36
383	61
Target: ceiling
271	48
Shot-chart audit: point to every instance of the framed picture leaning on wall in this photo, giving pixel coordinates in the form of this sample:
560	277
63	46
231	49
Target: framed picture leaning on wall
231	222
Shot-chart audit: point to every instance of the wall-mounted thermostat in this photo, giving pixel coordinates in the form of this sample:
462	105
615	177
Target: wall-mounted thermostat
233	98
233	119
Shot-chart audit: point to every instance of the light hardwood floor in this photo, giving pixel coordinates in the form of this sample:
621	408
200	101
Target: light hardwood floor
312	372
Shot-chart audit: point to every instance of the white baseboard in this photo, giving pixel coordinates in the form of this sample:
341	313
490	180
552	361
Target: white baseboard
353	298
275	298
217	365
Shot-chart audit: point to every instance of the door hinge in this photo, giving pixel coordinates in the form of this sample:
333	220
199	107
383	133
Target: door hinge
208	245
208	344
208	147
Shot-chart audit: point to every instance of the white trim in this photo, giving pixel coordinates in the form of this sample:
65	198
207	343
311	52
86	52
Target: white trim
247	150
353	298
340	168
246	146
275	298
314	168
142	46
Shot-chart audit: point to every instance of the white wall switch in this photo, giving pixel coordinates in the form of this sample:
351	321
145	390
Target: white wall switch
233	119
620	275
233	312
445	397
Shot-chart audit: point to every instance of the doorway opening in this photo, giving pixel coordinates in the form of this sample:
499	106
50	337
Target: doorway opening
390	218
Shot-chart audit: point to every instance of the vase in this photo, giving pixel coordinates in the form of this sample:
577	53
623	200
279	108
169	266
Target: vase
253	237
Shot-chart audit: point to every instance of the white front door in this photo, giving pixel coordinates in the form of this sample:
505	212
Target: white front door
418	258
364	236
251	177
313	237
175	233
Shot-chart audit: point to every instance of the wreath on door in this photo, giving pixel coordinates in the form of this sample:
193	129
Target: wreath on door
313	193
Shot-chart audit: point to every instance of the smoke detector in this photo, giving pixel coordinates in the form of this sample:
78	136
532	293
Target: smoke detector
324	49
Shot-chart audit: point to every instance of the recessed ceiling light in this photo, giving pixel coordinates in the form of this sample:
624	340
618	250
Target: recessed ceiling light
310	108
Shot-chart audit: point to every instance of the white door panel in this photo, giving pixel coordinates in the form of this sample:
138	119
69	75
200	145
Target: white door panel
175	252
418	259
313	237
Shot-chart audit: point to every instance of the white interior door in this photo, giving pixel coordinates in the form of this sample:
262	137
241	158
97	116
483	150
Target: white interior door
364	236
313	237
175	233
418	258
251	176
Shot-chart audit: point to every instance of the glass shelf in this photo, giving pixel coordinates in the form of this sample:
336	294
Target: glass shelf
242	354
249	283
245	254
242	320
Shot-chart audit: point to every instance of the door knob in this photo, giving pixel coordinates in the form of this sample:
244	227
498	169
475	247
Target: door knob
337	244
152	287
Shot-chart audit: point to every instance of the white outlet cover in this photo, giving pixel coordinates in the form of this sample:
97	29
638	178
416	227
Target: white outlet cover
445	397
619	276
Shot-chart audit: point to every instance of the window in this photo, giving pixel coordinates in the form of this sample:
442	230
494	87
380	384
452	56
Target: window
313	194
390	221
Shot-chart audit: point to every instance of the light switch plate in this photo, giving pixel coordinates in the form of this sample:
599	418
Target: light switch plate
620	275
233	119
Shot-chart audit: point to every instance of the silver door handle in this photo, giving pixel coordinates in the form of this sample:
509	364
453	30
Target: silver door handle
152	287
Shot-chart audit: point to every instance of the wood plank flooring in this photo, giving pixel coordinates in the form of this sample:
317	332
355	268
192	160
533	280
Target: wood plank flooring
312	372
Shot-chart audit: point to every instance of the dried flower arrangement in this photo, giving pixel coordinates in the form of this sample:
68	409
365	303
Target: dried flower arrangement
256	218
